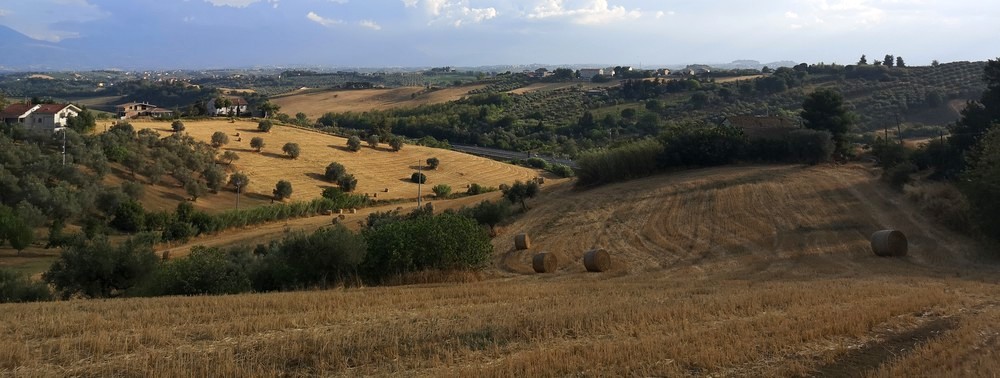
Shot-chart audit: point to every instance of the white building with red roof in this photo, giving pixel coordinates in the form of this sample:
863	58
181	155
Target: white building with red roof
39	117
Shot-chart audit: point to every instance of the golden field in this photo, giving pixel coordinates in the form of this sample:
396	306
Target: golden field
314	103
736	271
375	169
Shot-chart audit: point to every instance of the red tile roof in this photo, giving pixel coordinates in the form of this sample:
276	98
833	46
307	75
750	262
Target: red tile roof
16	109
51	108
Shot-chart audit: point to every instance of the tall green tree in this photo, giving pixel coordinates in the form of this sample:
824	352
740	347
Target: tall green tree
981	184
825	110
99	269
863	61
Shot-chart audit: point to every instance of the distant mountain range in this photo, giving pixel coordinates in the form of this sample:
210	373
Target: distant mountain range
22	53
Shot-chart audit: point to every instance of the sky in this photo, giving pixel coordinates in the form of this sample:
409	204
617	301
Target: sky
417	33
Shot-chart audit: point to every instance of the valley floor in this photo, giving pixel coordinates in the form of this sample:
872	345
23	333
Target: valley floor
737	271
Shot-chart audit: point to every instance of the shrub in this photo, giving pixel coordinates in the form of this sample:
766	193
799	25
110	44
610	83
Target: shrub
347	183
257	143
699	145
627	162
265	126
890	154
229	157
810	146
372	140
195	189
418	177
444	242
219	139
282	190
334	171
239	179
204	271
133	189
433	163
129	216
178	230
489	213
899	174
441	191
561	170
396	143
354	143
98	269
474	189
177	126
18	288
942	201
520	192
325	257
537	163
291	149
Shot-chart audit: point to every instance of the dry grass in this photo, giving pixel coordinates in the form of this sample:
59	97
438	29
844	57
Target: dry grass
316	103
374	169
537	87
743	271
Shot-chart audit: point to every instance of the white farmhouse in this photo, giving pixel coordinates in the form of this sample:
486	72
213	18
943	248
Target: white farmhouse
39	117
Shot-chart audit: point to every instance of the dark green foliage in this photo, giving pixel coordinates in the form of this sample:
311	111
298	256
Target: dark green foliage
257	143
292	150
334	171
372	140
347	183
328	256
204	271
693	145
82	123
354	143
433	163
561	170
627	162
195	188
441	191
98	269
825	110
215	178
229	157
981	185
537	163
265	126
129	217
446	242
132	189
239	179
282	190
899	175
890	154
19	288
19	234
177	126
489	213
178	230
219	139
520	192
396	143
809	146
474	189
418	177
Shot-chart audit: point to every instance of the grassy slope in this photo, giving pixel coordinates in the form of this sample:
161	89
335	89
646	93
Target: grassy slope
315	103
761	271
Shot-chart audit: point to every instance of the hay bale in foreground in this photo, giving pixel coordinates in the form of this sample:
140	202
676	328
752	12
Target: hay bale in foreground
544	263
597	260
522	242
354	211
889	243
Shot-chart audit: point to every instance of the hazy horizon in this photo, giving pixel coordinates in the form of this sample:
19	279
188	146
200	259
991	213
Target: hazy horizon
199	34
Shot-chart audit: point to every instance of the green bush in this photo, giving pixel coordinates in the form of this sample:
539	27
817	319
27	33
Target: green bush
265	126
129	217
489	213
537	163
899	174
328	256
627	162
433	163
561	170
443	242
334	171
347	182
354	143
441	191
282	190
17	288
98	269
810	146
418	177
474	189
204	271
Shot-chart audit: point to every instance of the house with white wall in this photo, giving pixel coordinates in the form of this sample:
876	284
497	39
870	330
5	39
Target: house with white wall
39	117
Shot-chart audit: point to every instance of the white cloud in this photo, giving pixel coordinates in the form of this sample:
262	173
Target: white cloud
593	12
455	12
49	20
370	24
312	16
4	12
232	3
188	19
791	15
339	1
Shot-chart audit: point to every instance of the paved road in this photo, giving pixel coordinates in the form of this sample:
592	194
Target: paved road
508	155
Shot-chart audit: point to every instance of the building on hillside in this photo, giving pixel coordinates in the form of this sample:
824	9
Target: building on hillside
663	72
238	106
135	110
589	73
39	117
762	127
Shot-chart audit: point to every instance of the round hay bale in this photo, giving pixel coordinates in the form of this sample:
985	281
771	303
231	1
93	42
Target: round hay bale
354	211
327	212
889	243
340	211
597	260
544	262
540	180
522	242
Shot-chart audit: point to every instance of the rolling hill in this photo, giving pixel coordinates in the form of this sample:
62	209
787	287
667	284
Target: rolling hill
315	103
736	271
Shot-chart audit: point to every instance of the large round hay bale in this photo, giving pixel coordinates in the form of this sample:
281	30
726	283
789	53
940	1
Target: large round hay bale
597	260
889	243
544	263
522	242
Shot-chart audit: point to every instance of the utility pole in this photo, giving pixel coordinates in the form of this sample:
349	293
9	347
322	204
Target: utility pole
419	181
64	146
238	182
899	129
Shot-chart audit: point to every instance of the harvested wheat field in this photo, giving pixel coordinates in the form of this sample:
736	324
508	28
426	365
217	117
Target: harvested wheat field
540	87
316	103
742	271
375	169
